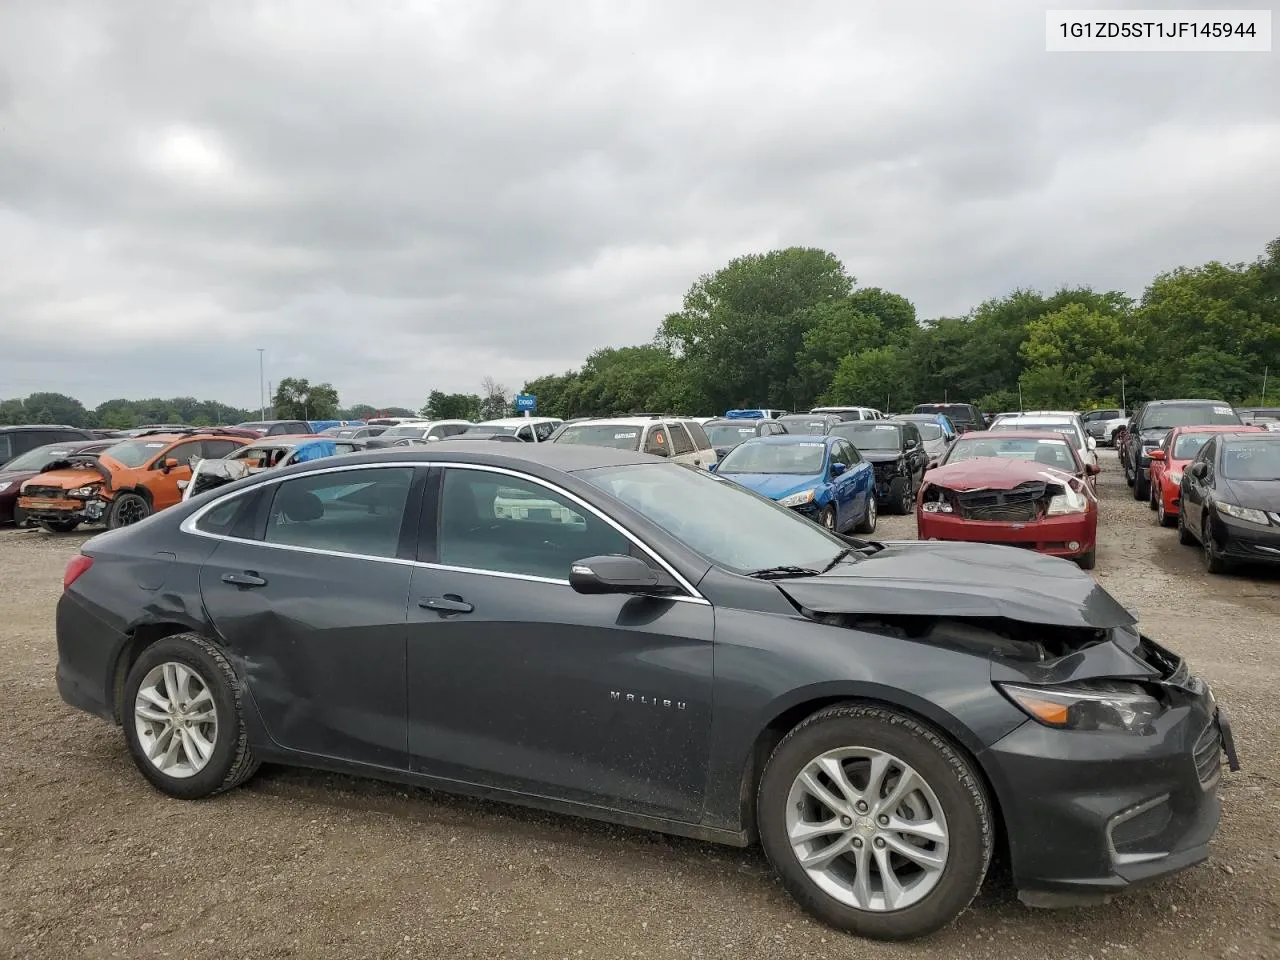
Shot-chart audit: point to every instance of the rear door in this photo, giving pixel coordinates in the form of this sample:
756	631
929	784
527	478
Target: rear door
518	682
682	449
312	602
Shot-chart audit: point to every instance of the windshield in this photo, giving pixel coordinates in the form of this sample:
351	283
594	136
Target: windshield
37	458
812	425
725	523
617	435
1188	445
1069	429
255	425
1052	453
403	432
1186	415
135	453
730	434
492	428
801	459
1251	460
869	435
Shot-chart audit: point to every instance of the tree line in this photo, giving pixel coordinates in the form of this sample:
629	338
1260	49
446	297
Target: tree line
791	328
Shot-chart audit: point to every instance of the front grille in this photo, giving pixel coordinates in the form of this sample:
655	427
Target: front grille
1207	754
885	471
1017	505
44	493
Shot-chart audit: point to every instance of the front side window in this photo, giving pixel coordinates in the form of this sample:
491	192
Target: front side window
351	511
503	524
718	519
680	439
544	430
217	449
184	453
840	453
804	458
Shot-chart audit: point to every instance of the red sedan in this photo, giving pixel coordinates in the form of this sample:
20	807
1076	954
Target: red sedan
1179	448
1020	488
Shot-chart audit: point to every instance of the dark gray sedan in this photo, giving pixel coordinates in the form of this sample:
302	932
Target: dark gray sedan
603	633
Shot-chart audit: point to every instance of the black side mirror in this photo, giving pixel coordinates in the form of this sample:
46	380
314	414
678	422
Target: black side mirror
616	573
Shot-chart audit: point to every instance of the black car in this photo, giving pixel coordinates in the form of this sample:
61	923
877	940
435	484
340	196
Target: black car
20	439
818	424
726	433
1229	500
277	428
1155	420
897	455
609	634
964	416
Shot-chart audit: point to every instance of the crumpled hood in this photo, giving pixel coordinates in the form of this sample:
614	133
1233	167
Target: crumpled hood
775	486
953	579
992	473
67	479
881	456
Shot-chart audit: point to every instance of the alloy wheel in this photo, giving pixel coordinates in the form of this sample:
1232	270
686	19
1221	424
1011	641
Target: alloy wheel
176	719
131	511
867	829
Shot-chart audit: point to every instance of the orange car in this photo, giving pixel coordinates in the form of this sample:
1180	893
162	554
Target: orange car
1176	451
129	482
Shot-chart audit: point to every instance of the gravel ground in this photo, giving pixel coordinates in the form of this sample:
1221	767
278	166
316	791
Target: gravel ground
94	863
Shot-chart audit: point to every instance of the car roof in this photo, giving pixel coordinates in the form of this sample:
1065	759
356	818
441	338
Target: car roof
1171	403
1039	418
622	421
516	421
41	426
1017	435
784	439
734	421
566	457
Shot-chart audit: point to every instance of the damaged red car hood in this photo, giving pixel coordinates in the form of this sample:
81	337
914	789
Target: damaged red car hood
992	473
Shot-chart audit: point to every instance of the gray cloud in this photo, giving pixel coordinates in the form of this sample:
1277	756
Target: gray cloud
401	197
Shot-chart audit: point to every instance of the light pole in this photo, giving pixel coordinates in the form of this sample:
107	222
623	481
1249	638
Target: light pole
262	390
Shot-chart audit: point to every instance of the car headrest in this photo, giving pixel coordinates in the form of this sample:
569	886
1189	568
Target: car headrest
301	506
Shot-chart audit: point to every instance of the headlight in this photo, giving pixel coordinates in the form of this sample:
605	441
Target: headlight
1175	478
797	499
83	492
1243	513
1069	502
5	486
1105	706
937	506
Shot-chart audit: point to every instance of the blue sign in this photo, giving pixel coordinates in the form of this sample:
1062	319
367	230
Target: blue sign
526	403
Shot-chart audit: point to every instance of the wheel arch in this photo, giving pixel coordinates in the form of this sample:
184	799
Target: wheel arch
789	713
140	637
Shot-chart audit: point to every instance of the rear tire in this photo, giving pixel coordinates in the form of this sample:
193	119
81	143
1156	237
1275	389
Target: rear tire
868	524
172	688
847	739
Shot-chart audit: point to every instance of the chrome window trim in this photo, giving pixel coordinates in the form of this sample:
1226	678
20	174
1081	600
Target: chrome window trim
188	525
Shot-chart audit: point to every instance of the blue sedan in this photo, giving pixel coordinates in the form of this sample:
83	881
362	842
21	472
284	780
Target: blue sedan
825	478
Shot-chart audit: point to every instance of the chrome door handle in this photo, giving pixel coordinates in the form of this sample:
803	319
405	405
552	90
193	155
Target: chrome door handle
246	579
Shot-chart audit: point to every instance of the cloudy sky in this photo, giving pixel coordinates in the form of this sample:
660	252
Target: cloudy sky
405	195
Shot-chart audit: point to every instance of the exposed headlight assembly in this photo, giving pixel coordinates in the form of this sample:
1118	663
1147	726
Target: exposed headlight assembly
1069	502
797	499
1100	706
1247	514
83	492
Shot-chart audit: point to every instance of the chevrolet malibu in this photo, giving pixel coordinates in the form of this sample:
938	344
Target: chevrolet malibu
661	648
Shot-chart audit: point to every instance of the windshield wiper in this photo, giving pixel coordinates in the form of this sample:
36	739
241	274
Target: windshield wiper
779	573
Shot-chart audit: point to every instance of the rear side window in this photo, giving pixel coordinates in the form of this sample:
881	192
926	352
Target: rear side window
352	511
657	442
680	440
231	518
217	449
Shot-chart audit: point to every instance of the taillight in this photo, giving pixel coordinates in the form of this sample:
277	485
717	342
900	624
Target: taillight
78	565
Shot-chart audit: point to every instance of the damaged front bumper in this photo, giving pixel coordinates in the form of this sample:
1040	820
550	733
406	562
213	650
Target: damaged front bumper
1065	536
37	510
1089	814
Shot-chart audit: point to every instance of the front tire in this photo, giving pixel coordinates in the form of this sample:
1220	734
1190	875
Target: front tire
846	793
903	500
1213	562
1163	517
1141	486
828	518
1087	561
868	524
1154	493
126	510
1185	536
182	719
59	526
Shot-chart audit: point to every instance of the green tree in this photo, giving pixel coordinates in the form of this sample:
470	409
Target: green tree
1073	355
742	327
297	399
451	406
60	408
872	378
495	400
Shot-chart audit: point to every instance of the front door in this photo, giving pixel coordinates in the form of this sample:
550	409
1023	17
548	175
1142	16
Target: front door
516	681
313	609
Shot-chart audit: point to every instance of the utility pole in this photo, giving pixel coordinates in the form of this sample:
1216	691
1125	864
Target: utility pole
1125	406
1020	407
262	392
1264	385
